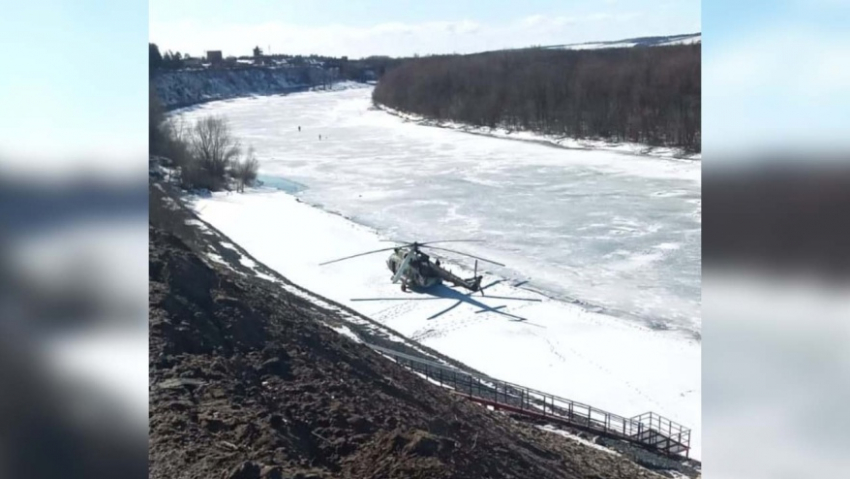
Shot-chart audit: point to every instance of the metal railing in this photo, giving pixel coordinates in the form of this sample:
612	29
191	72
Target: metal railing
649	429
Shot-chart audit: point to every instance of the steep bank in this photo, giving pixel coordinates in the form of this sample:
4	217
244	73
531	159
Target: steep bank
189	87
247	382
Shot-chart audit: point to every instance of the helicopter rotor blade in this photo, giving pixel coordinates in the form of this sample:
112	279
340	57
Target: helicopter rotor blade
403	267
410	243
466	254
355	255
452	241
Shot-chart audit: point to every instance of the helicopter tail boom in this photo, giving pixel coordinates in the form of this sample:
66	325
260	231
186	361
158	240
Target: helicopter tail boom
472	284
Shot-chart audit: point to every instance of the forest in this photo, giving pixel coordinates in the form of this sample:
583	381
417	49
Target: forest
642	94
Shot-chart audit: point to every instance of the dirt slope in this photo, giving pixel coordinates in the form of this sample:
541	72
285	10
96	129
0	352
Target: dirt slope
246	382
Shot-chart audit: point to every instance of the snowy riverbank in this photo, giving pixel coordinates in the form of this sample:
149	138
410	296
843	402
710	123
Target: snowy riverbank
552	140
529	339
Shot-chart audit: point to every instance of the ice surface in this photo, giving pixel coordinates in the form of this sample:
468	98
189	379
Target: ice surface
617	232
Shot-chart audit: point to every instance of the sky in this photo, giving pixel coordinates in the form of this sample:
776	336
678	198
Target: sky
775	77
73	88
406	27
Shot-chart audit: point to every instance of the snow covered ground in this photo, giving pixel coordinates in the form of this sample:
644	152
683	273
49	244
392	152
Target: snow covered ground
554	140
686	39
603	248
338	86
512	333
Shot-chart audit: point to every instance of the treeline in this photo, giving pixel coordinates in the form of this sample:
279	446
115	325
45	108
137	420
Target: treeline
168	61
206	155
643	95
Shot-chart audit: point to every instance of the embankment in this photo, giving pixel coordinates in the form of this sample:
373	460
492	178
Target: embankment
183	88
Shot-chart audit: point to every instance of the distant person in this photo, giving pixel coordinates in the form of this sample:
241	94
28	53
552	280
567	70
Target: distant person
299	127
320	137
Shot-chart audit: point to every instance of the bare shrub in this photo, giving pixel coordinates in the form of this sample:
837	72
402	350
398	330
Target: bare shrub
205	152
214	148
169	138
176	144
245	171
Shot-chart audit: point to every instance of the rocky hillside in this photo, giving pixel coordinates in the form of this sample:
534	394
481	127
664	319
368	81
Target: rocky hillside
188	87
249	381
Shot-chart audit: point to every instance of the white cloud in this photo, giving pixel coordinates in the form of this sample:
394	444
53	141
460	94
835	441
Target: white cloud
393	38
394	27
398	38
532	20
545	21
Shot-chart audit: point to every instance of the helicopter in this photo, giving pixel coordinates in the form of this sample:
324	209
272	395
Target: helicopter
415	269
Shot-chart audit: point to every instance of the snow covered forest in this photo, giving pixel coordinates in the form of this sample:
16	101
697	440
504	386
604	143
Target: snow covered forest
641	95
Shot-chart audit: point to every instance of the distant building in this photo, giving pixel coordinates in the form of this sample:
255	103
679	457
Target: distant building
190	62
214	56
263	60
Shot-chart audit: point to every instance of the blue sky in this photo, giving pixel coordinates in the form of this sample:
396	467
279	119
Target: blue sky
403	28
775	76
370	12
74	81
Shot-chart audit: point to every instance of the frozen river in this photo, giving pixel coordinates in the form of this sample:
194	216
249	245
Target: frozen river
618	233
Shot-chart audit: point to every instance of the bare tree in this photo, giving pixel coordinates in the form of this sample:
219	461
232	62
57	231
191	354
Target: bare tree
646	95
169	138
245	171
214	149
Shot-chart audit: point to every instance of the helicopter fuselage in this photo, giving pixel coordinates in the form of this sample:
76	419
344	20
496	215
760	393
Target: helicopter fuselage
421	272
413	268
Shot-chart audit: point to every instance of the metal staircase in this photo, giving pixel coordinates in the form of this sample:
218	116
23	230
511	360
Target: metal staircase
648	430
